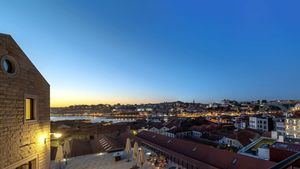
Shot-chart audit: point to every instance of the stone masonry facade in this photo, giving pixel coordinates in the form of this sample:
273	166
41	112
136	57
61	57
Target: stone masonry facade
21	140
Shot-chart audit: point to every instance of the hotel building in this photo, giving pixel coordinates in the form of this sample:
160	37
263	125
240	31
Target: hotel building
24	110
292	127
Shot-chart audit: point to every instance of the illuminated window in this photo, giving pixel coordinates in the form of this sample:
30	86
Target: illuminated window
30	108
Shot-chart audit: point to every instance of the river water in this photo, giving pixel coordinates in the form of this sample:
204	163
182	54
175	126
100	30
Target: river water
93	119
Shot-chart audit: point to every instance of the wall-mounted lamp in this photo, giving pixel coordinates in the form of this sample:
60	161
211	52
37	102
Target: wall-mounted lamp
42	138
56	135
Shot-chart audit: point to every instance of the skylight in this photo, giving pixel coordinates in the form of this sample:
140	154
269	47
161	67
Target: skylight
234	161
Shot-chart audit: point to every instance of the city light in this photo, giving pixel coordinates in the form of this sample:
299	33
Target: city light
156	85
134	132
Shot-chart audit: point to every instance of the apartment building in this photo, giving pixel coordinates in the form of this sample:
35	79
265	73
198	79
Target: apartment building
261	123
24	110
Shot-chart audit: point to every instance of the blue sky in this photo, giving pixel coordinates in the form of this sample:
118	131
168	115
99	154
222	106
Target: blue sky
149	51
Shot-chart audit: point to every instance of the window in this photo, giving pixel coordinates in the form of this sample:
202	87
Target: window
29	165
29	115
30	108
9	65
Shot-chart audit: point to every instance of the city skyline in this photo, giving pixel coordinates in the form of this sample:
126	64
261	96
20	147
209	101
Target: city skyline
172	101
140	52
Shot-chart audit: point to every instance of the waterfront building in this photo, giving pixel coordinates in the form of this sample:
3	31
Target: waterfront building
24	110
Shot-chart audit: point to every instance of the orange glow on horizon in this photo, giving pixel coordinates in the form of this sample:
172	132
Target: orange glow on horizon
65	102
64	98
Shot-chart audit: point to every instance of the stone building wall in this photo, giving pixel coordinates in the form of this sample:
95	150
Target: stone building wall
21	140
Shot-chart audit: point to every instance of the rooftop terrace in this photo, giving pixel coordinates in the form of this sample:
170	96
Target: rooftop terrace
95	161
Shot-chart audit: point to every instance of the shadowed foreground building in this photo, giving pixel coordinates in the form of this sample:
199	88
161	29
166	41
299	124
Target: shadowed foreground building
24	110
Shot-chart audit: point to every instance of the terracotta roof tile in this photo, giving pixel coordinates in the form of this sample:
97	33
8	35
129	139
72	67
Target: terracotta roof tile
208	156
244	136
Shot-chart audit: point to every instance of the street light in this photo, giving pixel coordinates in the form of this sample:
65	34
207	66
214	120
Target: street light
56	135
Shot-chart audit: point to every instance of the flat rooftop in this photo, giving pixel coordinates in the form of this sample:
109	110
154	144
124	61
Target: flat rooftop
262	144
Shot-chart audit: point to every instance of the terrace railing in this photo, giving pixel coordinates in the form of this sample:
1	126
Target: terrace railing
288	162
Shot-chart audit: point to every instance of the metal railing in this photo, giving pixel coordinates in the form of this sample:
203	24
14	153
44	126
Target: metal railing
288	162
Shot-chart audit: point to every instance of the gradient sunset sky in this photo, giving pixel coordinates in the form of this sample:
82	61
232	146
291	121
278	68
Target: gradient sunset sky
141	51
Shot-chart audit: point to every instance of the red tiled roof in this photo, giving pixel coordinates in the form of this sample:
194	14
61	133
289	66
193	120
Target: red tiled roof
206	156
202	128
177	130
212	137
157	125
80	147
244	136
123	137
173	123
287	146
267	134
281	151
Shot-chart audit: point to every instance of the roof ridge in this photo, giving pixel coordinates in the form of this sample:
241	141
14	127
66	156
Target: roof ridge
4	34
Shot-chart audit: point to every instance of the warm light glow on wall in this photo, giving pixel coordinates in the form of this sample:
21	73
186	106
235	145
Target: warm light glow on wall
42	138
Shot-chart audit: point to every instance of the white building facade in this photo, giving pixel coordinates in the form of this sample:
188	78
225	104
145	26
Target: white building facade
292	127
261	123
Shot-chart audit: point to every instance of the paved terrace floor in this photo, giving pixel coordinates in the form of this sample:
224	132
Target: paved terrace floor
97	161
